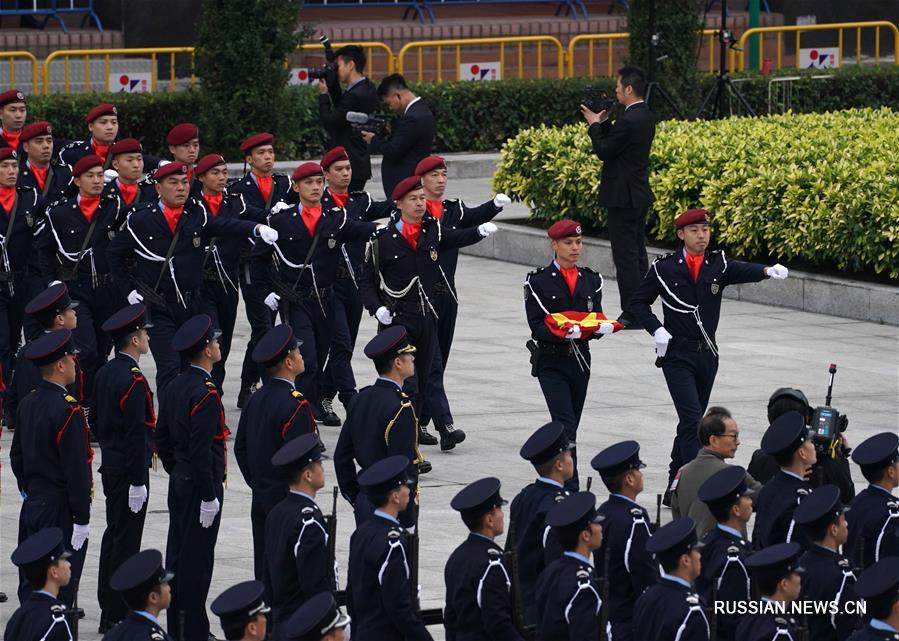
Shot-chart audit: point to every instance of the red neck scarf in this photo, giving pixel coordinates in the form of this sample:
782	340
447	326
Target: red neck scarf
172	216
129	192
100	150
265	186
570	275
694	263
435	208
214	201
340	199
7	198
311	216
411	232
40	175
12	139
88	206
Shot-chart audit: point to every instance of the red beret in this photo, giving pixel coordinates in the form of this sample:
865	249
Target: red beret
692	217
105	109
207	162
126	146
35	129
87	162
170	169
182	134
564	229
333	155
6	153
429	164
11	96
404	186
305	170
256	140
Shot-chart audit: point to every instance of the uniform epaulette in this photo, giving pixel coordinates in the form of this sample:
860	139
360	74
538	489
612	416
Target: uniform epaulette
359	193
296	394
558	498
494	552
336	208
668	255
402	394
136	371
307	510
636	511
57	608
394	534
378	232
71	399
57	202
583	574
693	598
277	174
536	271
211	385
146	180
156	635
452	200
589	270
72	145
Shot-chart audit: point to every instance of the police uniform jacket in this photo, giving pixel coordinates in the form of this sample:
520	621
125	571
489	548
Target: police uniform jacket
870	633
124	418
774	511
50	455
58	183
296	556
26	377
670	610
380	422
457	215
273	415
545	292
767	627
873	526
40	618
724	575
146	192
75	150
568	601
191	431
478	593
221	259
249	189
136	627
16	241
362	207
631	569
828	577
379	593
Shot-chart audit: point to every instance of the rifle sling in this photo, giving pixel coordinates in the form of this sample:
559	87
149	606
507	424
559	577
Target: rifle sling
171	250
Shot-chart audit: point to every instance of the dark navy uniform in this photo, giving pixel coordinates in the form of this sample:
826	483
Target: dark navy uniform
58	183
767	627
772	564
137	627
140	574
146	193
75	150
879	586
874	517
872	633
319	616
240	605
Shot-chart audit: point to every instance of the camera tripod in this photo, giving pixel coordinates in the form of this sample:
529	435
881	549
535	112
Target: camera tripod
652	86
724	88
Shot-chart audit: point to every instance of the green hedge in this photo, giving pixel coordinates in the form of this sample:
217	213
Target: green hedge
821	188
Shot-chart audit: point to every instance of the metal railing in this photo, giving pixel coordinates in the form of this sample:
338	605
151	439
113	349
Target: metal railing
591	38
369	48
22	56
155	54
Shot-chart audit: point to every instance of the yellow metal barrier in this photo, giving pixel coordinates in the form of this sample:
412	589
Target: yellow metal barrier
153	52
836	26
502	43
608	38
368	47
12	56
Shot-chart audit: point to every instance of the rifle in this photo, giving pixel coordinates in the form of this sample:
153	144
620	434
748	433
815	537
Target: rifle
658	522
151	296
589	482
331	526
510	556
604	585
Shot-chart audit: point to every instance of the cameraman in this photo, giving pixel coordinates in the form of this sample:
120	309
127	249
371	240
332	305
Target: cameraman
334	103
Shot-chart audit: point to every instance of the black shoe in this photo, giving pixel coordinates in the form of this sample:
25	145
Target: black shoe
329	418
666	499
424	467
105	625
450	437
3	598
425	437
245	392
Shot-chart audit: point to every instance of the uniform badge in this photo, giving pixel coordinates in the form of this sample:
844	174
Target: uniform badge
29	220
197	240
306	510
589	304
494	552
715	288
433	254
157	636
843	563
802	491
559	498
692	599
635	511
393	535
733	549
332	243
583	574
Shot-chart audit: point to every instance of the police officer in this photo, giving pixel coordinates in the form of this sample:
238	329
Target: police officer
184	146
44	561
623	561
337	378
13	112
879	587
241	610
788	441
828	574
261	188
298	272
776	577
165	241
125	419
381	600
691	282
724	577
143	584
51	458
561	357
36	170
874	517
671	609
400	277
127	183
319	619
274	415
190	439
568	601
549	451
381	423
478	586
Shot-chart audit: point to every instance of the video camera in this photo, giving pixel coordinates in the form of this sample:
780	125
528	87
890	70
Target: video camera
363	122
827	423
595	100
329	69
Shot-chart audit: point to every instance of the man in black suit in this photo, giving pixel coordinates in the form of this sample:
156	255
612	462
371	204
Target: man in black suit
413	133
334	103
624	184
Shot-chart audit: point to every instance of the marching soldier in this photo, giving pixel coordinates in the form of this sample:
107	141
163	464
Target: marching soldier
43	560
143	584
382	602
560	352
874	517
623	560
319	619
51	458
37	171
190	439
478	586
724	577
184	145
131	184
568	602
549	451
691	283
776	576
789	442
296	565
271	417
381	423
241	610
879	587
103	125
13	113
165	240
400	277
828	574
671	609
124	419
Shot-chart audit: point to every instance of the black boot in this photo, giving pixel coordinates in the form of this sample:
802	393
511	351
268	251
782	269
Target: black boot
329	417
425	437
449	437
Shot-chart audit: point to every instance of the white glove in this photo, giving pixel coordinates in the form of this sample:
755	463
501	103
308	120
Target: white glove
55	282
134	298
80	534
267	234
208	510
280	206
501	200
137	496
778	272
271	301
606	328
486	229
574	331
384	316
109	175
661	337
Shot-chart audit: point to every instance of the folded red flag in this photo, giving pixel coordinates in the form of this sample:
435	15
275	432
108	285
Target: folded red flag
559	322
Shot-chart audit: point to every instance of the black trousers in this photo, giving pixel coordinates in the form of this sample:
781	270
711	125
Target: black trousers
261	319
627	232
258	513
311	322
166	321
422	331
121	539
437	405
95	305
220	302
12	313
338	378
